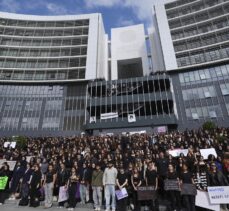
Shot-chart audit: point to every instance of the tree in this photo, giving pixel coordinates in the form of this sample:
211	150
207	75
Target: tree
209	125
21	141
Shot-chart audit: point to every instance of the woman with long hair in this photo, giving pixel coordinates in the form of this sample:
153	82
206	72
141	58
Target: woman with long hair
72	189
49	181
62	180
173	193
136	181
188	189
35	183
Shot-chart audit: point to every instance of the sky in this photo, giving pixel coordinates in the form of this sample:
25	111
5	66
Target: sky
116	13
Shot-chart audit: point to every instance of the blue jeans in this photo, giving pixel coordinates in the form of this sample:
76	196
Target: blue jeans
110	194
84	193
97	196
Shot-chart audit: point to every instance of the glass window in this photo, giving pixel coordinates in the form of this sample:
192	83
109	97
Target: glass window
53	105
224	89
51	122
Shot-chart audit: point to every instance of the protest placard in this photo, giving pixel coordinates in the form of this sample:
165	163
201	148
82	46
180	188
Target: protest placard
206	152
218	194
121	194
188	189
202	200
170	184
63	194
177	152
146	193
3	182
11	164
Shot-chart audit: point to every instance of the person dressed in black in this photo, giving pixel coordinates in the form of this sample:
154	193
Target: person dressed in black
62	180
136	182
72	188
5	172
17	175
189	196
151	179
216	177
162	167
122	182
25	183
35	183
173	193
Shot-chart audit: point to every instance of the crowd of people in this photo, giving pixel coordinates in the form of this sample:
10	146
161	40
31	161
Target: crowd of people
92	168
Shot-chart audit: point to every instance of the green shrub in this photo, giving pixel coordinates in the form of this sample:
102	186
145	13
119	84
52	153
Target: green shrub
21	141
209	125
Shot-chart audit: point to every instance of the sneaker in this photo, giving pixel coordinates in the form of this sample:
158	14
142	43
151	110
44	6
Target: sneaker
131	206
98	209
1	204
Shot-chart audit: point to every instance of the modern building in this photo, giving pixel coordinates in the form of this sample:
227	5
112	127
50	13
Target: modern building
191	39
131	104
45	64
61	75
191	32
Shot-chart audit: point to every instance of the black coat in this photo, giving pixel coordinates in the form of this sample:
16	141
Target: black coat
217	179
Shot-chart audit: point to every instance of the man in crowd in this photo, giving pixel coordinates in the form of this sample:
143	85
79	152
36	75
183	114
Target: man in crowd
109	182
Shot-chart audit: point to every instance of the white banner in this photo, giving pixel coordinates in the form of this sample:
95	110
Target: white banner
136	132
10	163
219	194
131	118
206	152
202	200
177	152
109	115
10	144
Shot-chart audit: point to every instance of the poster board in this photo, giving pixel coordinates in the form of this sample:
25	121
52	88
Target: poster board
218	194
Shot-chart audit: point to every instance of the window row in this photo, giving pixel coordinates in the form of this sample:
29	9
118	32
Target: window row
197	6
224	88
201	28
31	91
198	17
199	93
44	32
203	56
60	63
43	75
196	113
201	41
17	105
200	76
30	123
51	123
23	23
43	53
177	3
43	42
